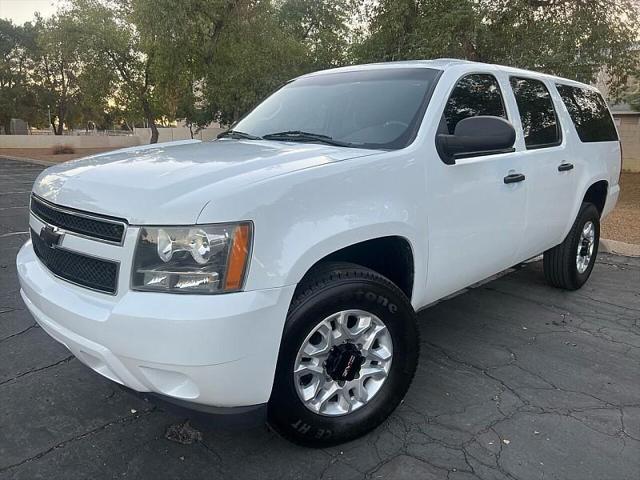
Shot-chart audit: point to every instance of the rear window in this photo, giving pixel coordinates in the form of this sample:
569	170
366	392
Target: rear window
589	113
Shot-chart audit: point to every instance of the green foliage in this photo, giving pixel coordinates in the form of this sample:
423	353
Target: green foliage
128	62
251	57
571	38
217	58
112	39
17	96
321	27
74	88
42	69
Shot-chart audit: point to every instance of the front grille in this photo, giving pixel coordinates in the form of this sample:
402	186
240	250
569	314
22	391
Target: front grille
94	273
101	228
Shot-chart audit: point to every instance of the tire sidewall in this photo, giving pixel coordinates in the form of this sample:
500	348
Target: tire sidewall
287	411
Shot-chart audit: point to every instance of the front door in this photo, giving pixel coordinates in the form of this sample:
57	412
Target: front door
476	208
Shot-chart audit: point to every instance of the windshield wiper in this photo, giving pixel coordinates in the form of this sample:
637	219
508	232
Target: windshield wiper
300	136
238	134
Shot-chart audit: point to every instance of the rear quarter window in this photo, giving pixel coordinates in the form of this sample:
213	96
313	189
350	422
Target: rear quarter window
589	113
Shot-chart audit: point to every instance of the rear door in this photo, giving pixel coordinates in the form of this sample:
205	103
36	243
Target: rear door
550	163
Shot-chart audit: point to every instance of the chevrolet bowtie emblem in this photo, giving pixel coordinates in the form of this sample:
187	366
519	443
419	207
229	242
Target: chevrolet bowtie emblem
51	236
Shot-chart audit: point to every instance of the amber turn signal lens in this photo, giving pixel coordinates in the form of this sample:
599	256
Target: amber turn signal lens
238	257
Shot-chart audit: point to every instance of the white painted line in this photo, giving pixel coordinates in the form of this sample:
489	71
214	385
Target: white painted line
12	234
28	160
11	175
13	208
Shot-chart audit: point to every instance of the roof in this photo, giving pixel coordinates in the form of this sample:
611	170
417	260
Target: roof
445	64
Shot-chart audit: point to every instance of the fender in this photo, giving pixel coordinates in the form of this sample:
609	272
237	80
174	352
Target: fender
308	214
332	243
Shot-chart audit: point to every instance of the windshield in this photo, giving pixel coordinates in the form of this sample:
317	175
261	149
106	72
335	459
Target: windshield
377	108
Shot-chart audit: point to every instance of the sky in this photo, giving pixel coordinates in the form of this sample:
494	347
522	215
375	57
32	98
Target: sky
20	11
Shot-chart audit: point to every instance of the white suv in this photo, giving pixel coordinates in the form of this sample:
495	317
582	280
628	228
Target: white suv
281	266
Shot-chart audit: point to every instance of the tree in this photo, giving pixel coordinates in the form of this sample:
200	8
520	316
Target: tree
571	38
251	57
17	95
217	58
110	39
56	67
208	60
185	43
321	26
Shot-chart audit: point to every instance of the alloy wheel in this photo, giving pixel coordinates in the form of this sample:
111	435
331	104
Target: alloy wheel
343	363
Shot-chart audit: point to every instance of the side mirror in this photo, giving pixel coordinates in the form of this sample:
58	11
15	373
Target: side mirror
482	135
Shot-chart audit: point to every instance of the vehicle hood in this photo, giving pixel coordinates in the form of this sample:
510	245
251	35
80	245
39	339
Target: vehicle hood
171	183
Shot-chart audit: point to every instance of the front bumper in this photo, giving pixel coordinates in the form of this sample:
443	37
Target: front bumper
216	350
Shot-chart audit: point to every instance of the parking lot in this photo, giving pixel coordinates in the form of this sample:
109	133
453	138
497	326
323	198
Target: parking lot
516	381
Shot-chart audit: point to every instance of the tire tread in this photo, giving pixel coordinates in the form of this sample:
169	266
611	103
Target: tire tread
327	273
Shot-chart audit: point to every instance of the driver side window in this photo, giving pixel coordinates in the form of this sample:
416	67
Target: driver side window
474	95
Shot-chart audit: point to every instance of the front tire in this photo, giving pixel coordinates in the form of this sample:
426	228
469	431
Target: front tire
348	354
569	264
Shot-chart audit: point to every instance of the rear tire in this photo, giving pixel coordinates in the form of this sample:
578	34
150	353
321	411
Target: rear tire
569	264
330	308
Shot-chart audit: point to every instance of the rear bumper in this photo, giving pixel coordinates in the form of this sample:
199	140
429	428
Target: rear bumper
214	350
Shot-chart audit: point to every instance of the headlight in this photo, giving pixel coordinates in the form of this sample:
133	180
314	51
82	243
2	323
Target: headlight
196	259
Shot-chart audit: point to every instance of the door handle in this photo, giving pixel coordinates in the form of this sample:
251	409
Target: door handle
514	178
565	167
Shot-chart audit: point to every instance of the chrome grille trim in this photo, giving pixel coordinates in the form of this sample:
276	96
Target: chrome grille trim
100	228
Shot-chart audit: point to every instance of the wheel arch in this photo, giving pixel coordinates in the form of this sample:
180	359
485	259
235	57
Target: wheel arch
390	254
597	194
594	189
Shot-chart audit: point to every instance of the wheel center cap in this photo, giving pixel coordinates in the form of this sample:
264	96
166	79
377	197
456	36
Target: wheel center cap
584	250
344	362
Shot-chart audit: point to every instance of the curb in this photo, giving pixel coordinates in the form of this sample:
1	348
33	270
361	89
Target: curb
619	248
